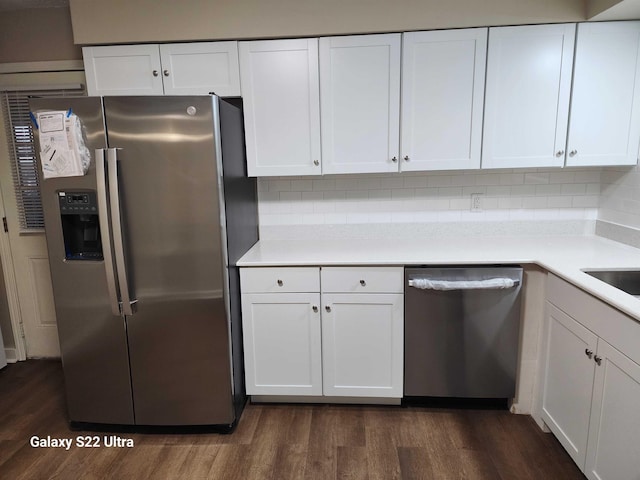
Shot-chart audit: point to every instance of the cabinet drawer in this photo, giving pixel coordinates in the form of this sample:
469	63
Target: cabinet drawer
362	279
280	279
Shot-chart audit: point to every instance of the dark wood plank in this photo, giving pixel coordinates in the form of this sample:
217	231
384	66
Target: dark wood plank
352	463
280	442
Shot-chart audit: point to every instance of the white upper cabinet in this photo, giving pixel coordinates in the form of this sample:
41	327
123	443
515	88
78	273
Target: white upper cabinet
281	106
172	69
360	103
201	68
605	105
443	76
527	95
123	70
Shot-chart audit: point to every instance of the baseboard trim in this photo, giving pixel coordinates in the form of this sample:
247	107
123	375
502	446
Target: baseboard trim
321	399
11	354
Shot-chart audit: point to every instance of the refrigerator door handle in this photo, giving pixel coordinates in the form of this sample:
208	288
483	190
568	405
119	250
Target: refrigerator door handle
116	225
105	232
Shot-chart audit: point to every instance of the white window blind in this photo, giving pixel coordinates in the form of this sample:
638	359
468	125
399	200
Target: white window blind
22	152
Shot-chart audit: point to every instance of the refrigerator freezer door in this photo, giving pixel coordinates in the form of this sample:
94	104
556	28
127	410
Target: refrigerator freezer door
170	212
92	339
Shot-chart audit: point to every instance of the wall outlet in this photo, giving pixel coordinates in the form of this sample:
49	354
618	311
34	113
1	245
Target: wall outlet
476	202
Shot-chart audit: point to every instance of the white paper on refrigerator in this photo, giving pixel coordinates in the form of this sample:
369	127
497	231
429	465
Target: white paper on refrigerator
62	149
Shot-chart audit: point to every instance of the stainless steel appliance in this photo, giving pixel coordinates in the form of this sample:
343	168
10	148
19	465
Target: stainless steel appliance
142	252
461	331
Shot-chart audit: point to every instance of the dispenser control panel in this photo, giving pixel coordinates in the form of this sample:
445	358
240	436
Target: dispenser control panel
80	225
77	203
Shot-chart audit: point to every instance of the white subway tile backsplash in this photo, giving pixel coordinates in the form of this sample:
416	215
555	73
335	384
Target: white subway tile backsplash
574	189
559	202
549	189
536	178
498	191
416	181
463	180
429	197
534	202
324	184
488	179
565	176
523	190
439	181
450	192
392	182
301	185
586	201
279	185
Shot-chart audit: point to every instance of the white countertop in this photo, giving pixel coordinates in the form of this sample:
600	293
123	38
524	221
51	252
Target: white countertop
565	256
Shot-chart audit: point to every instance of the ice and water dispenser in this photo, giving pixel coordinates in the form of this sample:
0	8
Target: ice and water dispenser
80	225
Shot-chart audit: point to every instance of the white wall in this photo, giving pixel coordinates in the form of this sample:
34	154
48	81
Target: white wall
37	34
620	196
509	195
127	21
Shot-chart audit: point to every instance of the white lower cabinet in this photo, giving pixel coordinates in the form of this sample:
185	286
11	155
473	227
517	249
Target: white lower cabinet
614	429
282	343
566	405
317	342
591	390
362	344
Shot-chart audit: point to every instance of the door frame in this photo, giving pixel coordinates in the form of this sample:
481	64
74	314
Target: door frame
20	352
30	74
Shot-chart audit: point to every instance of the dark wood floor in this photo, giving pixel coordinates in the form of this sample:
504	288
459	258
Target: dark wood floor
280	442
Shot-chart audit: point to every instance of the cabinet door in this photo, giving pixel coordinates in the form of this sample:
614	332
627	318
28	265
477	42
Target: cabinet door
282	344
527	96
201	68
614	430
568	381
605	103
123	70
360	103
362	345
280	86
442	97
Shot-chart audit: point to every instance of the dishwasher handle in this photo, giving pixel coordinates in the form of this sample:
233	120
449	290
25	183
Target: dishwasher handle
440	284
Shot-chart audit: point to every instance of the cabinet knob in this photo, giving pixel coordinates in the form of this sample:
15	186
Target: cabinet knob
573	153
315	309
165	73
588	352
280	282
406	158
155	73
394	159
316	162
327	308
363	283
598	359
559	153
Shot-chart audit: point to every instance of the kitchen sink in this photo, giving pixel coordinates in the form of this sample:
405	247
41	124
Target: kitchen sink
626	280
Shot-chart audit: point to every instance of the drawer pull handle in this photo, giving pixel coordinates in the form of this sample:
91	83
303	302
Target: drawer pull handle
327	308
363	283
588	353
598	359
315	309
280	283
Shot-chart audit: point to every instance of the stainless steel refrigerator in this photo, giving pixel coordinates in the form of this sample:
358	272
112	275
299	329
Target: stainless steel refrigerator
142	252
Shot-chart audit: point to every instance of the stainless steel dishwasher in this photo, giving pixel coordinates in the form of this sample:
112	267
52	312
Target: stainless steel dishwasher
462	329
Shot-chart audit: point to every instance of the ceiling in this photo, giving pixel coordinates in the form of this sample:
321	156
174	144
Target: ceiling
7	5
625	10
